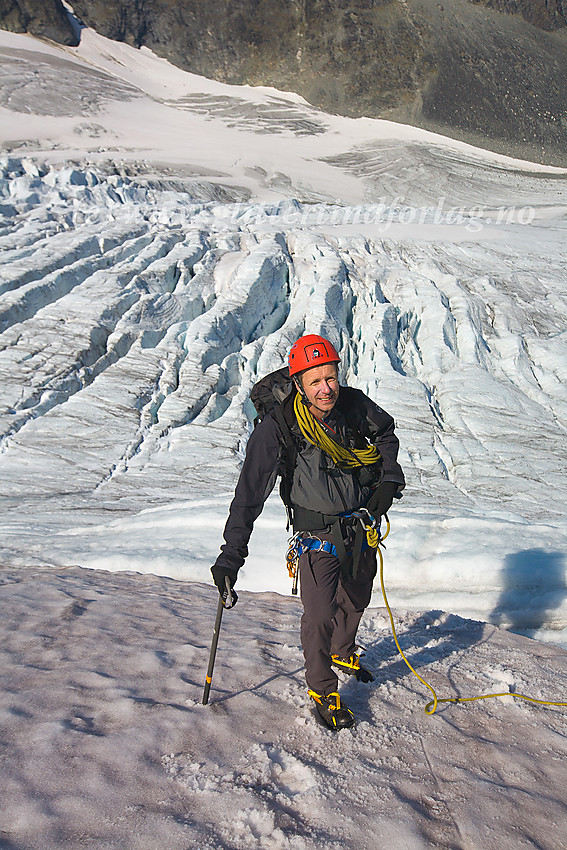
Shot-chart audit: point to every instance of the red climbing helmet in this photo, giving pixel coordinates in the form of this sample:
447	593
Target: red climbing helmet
311	350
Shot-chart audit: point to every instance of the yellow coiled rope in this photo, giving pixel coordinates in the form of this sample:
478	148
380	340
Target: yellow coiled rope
431	706
314	433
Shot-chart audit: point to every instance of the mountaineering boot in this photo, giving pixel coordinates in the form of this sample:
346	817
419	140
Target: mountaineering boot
335	713
353	667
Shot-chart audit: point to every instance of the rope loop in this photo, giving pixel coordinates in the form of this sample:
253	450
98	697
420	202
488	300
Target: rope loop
433	704
371	526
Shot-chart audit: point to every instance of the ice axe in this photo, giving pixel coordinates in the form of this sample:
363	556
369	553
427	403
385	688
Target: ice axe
227	602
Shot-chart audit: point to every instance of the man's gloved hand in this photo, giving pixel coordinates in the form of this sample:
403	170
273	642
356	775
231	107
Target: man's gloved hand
382	498
220	575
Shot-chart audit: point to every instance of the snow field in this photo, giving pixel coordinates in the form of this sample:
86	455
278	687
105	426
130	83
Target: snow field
108	741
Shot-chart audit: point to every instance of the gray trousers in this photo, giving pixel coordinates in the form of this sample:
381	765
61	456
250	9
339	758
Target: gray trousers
333	607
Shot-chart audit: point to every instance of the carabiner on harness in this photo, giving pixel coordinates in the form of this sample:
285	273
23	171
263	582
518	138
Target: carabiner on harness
293	554
292	561
304	541
371	525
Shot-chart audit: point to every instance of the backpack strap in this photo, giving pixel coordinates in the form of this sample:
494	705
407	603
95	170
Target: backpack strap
289	456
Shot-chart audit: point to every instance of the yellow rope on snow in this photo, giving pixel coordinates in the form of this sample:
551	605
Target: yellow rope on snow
431	706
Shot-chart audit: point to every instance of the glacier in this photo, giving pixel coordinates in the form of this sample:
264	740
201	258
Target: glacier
135	319
164	238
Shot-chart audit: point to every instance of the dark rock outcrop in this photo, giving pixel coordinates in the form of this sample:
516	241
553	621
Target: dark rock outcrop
469	69
547	14
44	18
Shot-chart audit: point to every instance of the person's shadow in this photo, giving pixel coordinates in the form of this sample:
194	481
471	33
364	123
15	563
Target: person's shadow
533	586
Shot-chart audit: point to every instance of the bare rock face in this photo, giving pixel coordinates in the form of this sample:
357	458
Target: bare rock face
44	18
547	14
498	82
469	69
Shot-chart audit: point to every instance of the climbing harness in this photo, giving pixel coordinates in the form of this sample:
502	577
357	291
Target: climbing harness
432	705
305	541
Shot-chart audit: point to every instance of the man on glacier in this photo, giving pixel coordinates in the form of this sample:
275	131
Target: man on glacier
337	453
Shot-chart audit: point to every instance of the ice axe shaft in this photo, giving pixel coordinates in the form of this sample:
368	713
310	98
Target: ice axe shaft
215	641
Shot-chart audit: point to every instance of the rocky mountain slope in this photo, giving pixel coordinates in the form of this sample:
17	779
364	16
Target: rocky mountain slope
46	18
491	73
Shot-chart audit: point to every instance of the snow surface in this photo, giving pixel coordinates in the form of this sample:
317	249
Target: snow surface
107	744
164	240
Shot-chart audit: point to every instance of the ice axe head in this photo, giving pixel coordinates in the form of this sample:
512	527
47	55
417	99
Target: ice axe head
229	596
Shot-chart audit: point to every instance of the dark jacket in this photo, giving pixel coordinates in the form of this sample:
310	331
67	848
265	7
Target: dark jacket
318	485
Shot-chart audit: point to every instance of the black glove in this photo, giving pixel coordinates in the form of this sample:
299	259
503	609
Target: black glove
220	575
382	498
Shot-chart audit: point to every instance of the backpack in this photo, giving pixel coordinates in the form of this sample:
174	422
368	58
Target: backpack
270	391
274	393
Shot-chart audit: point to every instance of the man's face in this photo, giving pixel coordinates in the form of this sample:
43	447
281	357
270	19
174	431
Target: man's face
321	386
